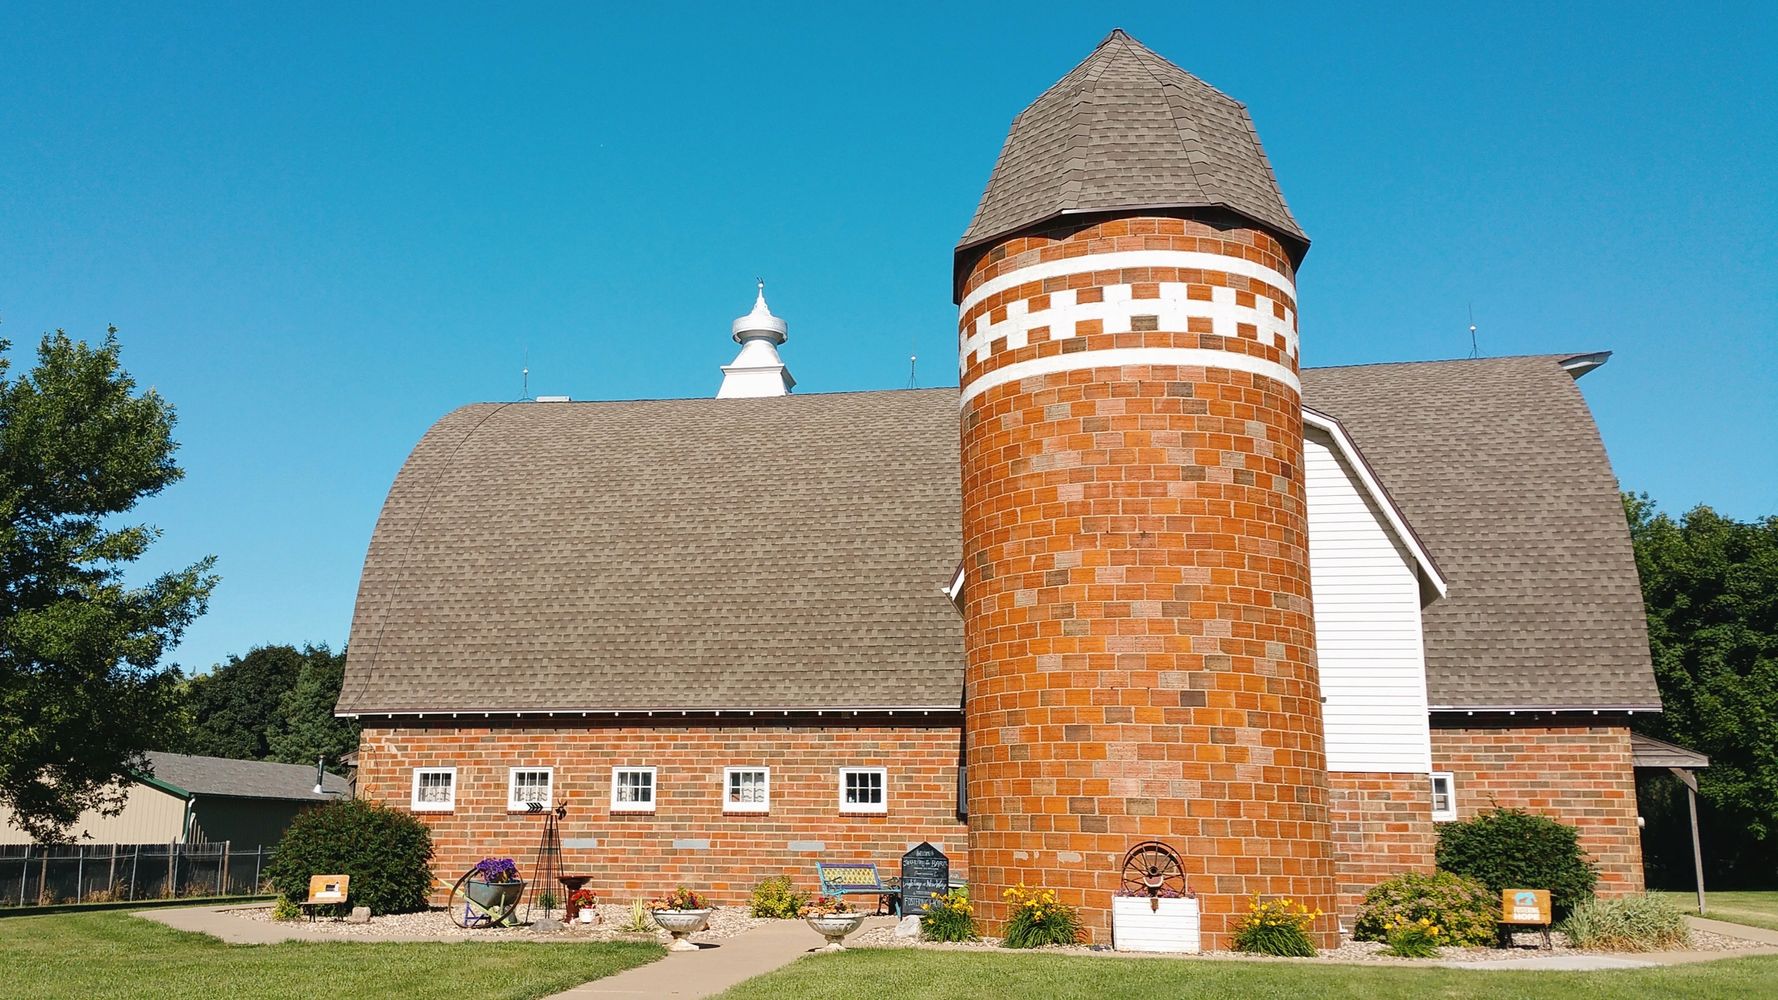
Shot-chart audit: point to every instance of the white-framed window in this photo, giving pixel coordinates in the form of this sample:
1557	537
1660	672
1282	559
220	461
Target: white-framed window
632	789
525	785
1444	797
746	789
435	789
864	790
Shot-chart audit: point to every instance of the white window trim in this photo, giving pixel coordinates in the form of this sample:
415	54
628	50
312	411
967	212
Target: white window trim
746	807
514	805
434	807
872	808
654	790
1443	815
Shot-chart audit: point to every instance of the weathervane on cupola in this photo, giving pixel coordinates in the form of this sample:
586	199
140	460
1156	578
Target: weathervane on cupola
757	371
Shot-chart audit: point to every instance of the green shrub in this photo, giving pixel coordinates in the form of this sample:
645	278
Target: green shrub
388	855
1414	938
284	909
949	917
1039	918
778	898
1514	849
1627	923
1464	908
1277	927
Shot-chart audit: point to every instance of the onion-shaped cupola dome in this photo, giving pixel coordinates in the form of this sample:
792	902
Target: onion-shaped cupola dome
757	371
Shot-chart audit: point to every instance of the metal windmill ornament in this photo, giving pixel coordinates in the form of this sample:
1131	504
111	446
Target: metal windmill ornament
547	866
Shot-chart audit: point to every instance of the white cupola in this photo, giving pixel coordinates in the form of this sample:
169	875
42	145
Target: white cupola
757	371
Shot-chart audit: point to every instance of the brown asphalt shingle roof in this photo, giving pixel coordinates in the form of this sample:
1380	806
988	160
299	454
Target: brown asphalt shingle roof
1128	129
1498	465
679	554
789	553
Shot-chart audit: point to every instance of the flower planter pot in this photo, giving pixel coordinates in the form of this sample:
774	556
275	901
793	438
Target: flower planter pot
834	927
1142	924
495	897
682	924
588	915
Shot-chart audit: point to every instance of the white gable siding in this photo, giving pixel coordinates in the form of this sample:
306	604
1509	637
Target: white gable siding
1367	624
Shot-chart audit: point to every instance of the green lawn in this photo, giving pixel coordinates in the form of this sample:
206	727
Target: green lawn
114	955
1755	909
919	975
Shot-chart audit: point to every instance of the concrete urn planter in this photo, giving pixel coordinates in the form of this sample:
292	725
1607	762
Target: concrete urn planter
834	927
682	924
1139	923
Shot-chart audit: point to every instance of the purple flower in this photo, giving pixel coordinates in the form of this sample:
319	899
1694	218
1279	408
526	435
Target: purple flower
496	870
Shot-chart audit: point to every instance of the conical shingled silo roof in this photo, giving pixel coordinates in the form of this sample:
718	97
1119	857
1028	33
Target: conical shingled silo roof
1126	129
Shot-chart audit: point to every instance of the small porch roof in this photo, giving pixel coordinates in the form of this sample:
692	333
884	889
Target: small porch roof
1646	751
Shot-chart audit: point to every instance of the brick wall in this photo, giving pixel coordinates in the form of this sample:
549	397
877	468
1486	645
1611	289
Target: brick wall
1382	827
1579	774
1138	632
636	853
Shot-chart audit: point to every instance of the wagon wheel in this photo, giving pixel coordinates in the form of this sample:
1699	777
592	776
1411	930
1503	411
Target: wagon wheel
1151	867
467	913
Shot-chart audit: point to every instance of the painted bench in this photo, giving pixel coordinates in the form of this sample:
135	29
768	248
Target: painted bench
855	878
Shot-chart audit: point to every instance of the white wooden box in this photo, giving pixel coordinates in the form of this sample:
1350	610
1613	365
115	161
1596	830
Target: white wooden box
1135	926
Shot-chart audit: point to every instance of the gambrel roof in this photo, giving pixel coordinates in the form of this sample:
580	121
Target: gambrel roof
792	553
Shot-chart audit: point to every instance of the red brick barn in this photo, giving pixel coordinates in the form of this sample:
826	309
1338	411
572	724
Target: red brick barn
1140	576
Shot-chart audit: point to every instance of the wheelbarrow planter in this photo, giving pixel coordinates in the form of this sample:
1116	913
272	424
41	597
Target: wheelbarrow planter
495	896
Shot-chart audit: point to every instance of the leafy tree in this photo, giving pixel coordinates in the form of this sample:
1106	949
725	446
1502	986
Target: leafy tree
83	695
306	727
275	703
1710	585
234	708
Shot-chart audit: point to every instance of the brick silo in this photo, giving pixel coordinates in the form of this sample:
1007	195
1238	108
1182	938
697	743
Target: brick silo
1139	633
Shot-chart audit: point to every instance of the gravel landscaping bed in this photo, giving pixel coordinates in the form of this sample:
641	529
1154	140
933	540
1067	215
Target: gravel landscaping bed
1524	946
724	923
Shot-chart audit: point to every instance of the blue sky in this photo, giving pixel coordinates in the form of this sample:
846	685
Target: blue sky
319	230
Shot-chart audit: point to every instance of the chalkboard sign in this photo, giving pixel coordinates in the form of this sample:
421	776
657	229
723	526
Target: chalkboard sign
925	873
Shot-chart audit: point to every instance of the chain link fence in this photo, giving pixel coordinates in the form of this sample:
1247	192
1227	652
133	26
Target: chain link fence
35	875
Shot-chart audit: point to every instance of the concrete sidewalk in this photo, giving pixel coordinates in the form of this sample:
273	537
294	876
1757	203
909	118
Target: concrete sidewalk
715	966
1741	931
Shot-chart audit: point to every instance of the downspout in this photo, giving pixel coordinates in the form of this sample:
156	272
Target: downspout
185	824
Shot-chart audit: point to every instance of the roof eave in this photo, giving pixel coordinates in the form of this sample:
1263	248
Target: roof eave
1517	709
365	713
1296	243
161	784
1580	364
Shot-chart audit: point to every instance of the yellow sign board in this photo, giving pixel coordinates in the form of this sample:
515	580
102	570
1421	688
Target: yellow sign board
328	888
1525	906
